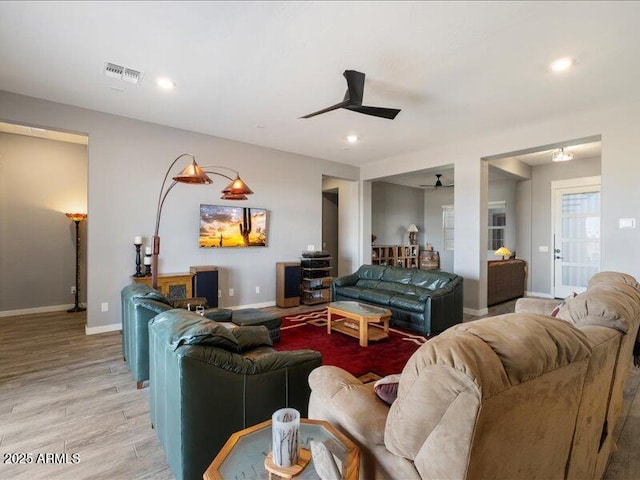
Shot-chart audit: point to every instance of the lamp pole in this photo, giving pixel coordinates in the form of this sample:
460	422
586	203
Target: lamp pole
77	218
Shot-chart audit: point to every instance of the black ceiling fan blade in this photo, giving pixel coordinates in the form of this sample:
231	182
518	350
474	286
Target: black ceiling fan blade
328	109
355	87
389	113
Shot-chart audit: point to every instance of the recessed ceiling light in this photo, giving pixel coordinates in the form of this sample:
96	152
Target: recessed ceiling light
562	64
352	138
165	83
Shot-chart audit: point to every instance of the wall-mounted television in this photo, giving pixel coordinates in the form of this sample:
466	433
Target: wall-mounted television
224	226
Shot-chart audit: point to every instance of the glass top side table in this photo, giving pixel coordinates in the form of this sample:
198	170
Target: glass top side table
242	457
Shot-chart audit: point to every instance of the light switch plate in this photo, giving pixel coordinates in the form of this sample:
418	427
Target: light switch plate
626	223
543	249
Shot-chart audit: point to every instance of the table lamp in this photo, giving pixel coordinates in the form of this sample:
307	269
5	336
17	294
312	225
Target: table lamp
502	251
412	234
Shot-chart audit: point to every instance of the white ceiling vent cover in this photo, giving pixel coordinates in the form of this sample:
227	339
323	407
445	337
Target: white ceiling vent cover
112	70
132	76
122	73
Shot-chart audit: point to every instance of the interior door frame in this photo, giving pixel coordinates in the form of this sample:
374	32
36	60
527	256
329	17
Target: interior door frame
569	183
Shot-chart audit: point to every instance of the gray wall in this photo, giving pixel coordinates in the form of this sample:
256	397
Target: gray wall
127	161
393	209
433	202
330	228
40	180
505	190
535	210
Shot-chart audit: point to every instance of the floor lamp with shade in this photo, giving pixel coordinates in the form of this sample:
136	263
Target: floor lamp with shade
193	174
77	218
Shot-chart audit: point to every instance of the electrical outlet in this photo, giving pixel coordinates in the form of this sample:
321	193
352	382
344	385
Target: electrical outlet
311	248
219	293
257	289
231	292
73	289
105	307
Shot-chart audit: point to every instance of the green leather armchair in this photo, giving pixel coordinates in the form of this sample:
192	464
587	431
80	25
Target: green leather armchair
208	382
425	301
140	303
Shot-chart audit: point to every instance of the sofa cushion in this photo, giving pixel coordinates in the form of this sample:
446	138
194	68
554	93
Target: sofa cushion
250	338
408	302
379	297
367	283
181	327
398	275
431	280
607	305
371	272
613	277
351	292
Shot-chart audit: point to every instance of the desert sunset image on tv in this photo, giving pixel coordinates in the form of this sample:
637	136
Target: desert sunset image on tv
222	226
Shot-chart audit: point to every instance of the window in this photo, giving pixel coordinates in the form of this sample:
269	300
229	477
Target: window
448	222
497	225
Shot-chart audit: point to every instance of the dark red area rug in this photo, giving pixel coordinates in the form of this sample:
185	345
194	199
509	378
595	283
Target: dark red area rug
384	357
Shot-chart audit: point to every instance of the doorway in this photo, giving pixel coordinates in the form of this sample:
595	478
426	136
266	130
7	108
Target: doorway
575	234
330	227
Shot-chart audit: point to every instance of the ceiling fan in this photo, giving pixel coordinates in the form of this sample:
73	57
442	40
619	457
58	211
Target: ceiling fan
438	184
353	99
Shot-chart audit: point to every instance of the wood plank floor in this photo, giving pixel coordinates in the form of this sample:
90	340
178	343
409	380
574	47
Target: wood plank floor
62	392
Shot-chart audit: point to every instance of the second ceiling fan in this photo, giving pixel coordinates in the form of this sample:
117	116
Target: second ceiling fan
438	185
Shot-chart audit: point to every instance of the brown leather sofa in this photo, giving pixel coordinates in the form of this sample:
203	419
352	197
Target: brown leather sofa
505	280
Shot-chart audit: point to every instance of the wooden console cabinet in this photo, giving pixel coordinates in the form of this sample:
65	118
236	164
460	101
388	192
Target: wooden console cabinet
171	285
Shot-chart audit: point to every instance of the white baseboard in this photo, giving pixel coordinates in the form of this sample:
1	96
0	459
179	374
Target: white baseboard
102	329
538	294
475	313
252	305
29	311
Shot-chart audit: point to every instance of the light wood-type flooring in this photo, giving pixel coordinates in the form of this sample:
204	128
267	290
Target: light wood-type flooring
71	396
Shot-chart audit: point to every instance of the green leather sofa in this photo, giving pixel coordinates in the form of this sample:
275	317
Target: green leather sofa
208	382
140	303
424	301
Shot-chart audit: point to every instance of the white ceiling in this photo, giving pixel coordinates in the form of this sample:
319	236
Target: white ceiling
454	68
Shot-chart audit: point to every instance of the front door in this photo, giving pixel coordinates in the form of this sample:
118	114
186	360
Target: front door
576	234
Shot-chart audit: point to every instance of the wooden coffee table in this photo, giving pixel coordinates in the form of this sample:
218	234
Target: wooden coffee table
362	314
244	453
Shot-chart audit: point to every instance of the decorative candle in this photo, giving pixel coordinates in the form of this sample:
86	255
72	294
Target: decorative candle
137	240
147	250
285	428
147	260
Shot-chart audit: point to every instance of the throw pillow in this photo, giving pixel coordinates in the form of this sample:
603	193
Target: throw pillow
554	312
387	388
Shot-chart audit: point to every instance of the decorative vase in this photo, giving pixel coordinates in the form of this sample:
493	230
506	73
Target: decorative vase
285	429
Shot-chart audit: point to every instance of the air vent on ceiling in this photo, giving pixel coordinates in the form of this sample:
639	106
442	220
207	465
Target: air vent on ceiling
122	73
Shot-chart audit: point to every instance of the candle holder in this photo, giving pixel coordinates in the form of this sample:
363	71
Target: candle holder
138	261
147	265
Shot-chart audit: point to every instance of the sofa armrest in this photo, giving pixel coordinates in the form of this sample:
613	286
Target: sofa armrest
354	406
538	306
346	280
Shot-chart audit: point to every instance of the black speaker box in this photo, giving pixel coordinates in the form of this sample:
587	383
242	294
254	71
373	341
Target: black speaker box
205	284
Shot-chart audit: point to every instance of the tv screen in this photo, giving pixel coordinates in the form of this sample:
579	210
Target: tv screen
224	226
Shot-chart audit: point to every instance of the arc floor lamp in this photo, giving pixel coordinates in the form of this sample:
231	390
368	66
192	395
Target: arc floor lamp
193	174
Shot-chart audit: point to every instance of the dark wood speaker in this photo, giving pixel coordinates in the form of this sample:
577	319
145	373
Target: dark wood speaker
287	284
205	283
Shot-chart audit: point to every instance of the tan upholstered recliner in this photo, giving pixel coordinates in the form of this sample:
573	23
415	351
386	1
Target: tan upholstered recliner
608	313
496	398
